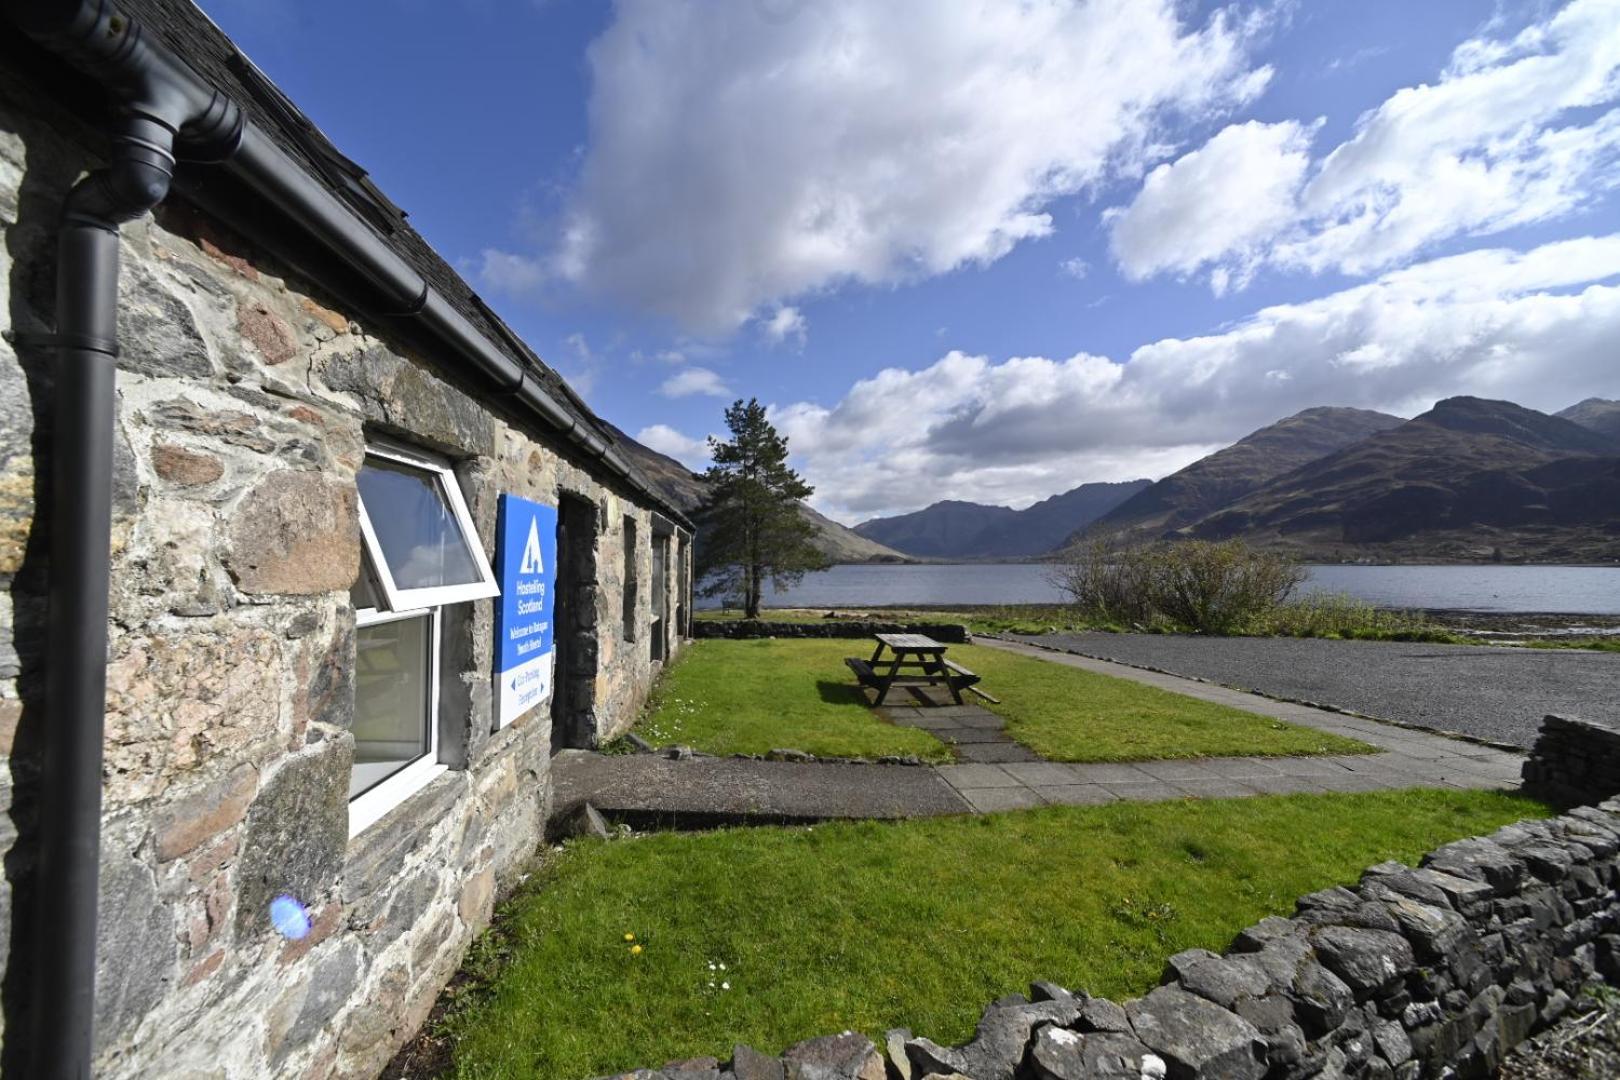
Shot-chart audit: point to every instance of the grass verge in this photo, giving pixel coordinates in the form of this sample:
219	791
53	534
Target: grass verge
919	924
748	697
1066	714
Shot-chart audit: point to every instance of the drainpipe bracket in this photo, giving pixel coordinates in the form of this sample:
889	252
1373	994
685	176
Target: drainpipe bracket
63	341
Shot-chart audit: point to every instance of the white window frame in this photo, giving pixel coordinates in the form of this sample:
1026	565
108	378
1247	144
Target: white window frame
402	600
368	807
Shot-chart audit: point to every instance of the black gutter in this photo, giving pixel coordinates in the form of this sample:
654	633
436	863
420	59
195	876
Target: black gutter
268	171
164	108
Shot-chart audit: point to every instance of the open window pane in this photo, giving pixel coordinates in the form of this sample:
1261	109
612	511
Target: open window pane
419	536
391	698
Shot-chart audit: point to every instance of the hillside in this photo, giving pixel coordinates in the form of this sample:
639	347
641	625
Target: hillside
687	490
843	544
966	530
1467	477
1213	482
1595	414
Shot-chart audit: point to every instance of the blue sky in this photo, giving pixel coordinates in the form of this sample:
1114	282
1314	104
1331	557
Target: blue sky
995	251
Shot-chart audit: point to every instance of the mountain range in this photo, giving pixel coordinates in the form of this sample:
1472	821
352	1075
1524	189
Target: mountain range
1216	481
1466	479
966	530
1470	479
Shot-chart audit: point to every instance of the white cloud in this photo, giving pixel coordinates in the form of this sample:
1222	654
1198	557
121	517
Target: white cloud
1517	130
693	453
694	380
738	158
1217	202
1075	267
784	324
1536	327
509	273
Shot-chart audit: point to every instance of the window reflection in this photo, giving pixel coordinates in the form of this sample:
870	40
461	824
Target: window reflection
390	698
419	536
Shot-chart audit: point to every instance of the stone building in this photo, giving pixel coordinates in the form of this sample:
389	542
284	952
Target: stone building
316	766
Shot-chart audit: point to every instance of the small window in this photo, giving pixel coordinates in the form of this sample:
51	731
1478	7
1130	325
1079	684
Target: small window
420	554
394	697
629	578
418	533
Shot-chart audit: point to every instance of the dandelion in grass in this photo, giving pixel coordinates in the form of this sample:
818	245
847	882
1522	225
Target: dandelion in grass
629	936
635	950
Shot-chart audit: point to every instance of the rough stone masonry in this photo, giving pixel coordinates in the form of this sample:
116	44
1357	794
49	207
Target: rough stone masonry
246	399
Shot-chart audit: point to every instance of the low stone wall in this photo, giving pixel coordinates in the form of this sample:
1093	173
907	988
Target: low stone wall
950	633
1428	972
1574	761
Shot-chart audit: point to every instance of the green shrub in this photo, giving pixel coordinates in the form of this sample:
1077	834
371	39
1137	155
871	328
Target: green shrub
1195	585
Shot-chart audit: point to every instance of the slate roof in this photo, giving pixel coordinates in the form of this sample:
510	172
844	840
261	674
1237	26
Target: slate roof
189	33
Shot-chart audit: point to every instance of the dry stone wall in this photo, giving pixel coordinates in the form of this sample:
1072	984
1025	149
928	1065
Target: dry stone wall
1574	761
245	401
1433	971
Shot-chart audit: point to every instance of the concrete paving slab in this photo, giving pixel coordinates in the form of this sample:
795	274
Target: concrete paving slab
1284	785
1039	773
1176	770
1147	791
962	777
1304	766
996	752
649	787
989	800
1108	773
1077	795
959	736
1215	788
980	719
1362	781
1241	768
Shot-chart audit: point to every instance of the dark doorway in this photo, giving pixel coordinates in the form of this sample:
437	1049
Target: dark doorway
573	694
660	598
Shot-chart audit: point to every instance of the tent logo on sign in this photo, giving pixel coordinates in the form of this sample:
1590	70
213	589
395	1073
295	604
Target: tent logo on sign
532	562
526	564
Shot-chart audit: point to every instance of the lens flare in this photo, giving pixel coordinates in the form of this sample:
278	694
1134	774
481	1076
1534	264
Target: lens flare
289	918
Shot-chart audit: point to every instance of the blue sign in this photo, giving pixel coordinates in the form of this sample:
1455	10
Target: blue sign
526	567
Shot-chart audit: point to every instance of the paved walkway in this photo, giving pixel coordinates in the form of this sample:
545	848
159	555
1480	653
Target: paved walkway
1003	775
1408	758
643	788
1488	692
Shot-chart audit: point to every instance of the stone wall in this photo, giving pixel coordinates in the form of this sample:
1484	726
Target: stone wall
736	629
1428	972
1574	761
245	400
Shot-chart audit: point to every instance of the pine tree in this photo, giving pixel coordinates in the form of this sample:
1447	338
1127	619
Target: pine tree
752	529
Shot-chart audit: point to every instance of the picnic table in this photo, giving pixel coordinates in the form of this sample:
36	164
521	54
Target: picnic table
915	660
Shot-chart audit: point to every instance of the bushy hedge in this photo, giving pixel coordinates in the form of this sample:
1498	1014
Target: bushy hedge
1196	585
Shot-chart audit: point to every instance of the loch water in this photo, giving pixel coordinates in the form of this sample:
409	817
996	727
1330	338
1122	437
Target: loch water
1587	590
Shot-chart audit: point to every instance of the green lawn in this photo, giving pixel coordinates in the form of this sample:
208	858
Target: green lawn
1065	714
728	697
873	925
748	697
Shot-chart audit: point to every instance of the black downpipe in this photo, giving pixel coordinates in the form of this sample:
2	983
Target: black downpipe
84	412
